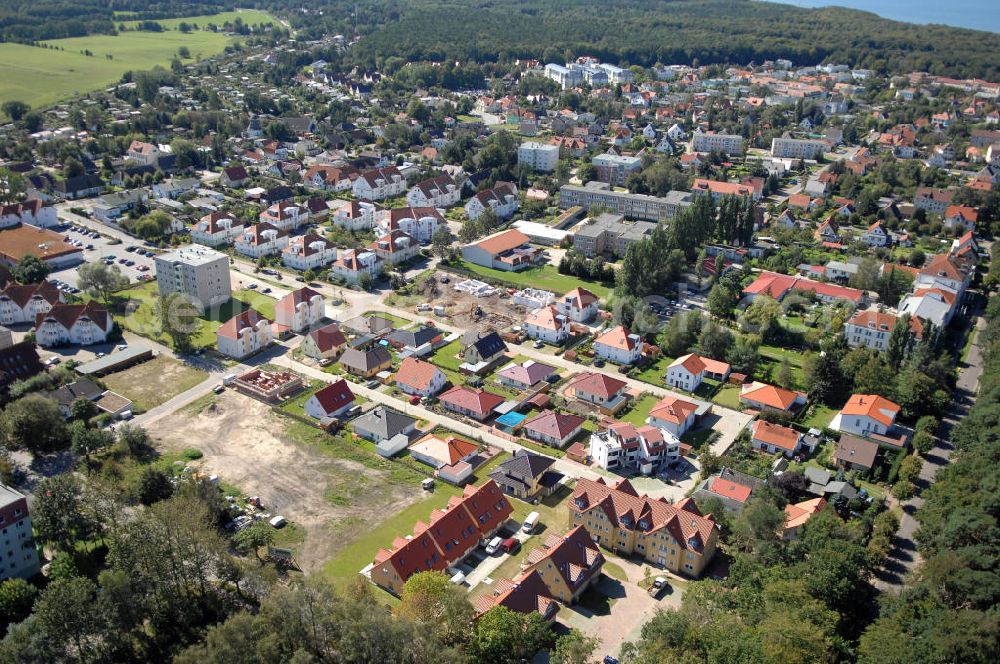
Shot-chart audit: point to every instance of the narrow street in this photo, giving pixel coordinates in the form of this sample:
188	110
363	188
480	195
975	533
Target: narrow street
904	557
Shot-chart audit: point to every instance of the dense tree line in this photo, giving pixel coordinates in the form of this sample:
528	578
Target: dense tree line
948	612
33	20
643	32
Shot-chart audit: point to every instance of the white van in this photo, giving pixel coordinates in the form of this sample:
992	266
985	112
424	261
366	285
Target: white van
530	522
229	379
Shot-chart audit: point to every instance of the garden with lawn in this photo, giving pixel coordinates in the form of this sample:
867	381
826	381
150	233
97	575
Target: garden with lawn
545	277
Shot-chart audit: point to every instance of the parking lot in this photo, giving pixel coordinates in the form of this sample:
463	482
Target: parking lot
104	249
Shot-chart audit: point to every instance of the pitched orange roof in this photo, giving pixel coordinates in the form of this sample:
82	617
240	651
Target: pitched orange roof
775	434
730	489
672	409
416	373
799	513
769	395
617	337
503	241
874	406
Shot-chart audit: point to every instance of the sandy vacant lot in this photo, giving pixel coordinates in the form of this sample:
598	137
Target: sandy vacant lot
248	445
154	382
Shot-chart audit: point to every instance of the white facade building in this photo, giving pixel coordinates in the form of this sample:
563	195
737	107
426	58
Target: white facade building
540	157
199	273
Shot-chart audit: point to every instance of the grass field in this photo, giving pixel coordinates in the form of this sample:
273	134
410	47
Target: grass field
41	76
545	277
143	320
151	383
639	411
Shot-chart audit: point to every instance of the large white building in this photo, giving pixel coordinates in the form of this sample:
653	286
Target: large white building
379	184
19	557
625	446
798	148
537	156
244	334
199	273
724	143
260	240
564	76
300	310
439	192
308	252
216	229
78	324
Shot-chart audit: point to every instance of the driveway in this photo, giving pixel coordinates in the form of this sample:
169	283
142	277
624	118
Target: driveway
614	611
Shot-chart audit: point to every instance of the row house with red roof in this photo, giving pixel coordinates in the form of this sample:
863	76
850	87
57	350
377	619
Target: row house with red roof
449	536
379	184
80	324
308	252
260	240
22	303
777	286
439	192
419	223
354	215
217	229
244	334
676	537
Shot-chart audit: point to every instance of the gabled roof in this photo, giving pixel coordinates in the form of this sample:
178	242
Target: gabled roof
729	489
288	303
21	294
618	337
547	318
328	337
232	327
335	396
672	409
528	373
18	362
553	424
489	344
472	399
623	506
799	513
690	362
448	451
503	241
855	450
68	314
599	384
775	434
365	360
874	406
416	373
580	298
769	395
383	421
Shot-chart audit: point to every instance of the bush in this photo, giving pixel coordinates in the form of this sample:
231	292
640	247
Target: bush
192	454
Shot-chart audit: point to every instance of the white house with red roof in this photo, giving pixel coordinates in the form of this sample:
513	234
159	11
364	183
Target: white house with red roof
877	236
308	252
774	438
579	305
379	184
81	324
22	303
352	263
777	286
764	397
687	371
618	345
244	334
300	310
553	428
508	250
598	389
548	325
145	154
332	401
261	239
502	199
285	216
626	446
673	414
439	192
217	229
415	376
395	247
960	216
420	223
872	328
866	414
476	403
353	215
523	376
33	211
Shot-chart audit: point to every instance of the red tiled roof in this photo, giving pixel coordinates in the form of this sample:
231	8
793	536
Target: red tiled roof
478	401
874	406
328	337
68	314
335	396
249	318
416	373
769	395
775	434
598	384
730	489
553	424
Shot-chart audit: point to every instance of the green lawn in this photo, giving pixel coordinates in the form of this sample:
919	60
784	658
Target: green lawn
655	372
545	277
820	417
248	16
397	321
43	76
348	562
728	396
640	410
143	320
445	356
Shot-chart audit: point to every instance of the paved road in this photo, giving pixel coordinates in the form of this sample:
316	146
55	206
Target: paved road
904	557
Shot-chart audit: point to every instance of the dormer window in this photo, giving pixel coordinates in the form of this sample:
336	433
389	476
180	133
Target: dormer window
580	502
643	524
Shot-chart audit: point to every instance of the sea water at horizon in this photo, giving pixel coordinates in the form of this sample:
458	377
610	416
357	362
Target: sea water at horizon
976	14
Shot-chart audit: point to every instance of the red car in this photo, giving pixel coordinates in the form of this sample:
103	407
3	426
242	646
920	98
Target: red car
511	545
414	399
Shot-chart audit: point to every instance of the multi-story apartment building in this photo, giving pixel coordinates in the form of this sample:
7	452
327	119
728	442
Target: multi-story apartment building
199	273
610	234
81	324
18	554
216	229
632	206
261	239
379	184
308	252
244	334
564	76
540	157
613	168
439	192
676	537
21	303
798	148
625	446
724	143
300	309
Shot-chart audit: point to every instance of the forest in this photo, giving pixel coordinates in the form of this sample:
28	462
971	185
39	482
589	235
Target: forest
644	32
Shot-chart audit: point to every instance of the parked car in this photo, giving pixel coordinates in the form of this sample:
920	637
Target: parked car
530	522
510	545
494	545
660	584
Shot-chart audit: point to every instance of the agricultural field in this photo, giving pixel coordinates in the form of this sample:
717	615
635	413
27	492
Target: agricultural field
44	76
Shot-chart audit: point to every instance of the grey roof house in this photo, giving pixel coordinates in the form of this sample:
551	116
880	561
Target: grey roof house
527	475
383	423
